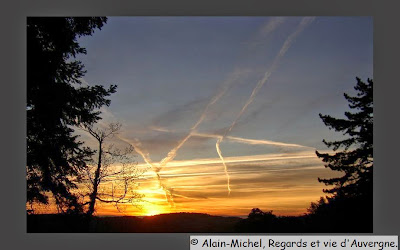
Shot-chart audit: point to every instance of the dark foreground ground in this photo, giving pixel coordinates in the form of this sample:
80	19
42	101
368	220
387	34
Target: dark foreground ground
257	222
164	223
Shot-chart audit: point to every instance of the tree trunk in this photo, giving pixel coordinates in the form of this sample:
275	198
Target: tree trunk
95	184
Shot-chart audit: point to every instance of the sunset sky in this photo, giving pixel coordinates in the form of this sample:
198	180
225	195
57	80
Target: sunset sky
254	84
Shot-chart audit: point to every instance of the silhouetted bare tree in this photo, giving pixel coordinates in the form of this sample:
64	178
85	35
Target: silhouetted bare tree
110	176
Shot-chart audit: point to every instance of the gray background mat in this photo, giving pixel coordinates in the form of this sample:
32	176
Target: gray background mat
13	96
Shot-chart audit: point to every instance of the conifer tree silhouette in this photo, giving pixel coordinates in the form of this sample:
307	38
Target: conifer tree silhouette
354	154
56	102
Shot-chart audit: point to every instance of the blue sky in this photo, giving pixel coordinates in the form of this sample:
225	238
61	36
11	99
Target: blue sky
169	68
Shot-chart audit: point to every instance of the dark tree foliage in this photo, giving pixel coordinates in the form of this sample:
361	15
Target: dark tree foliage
257	222
355	159
266	222
341	214
349	208
56	101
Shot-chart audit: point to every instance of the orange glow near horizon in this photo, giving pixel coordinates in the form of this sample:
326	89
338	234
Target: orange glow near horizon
285	183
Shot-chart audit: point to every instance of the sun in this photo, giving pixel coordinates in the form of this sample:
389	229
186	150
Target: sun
153	209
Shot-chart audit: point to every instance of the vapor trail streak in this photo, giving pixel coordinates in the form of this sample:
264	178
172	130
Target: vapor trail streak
243	159
264	142
304	22
286	45
137	146
145	155
271	26
251	141
172	154
225	168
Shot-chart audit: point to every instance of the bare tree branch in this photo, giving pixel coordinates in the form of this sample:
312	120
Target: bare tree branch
111	175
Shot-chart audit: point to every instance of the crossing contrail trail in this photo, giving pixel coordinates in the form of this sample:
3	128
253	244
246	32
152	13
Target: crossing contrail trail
172	153
146	157
137	146
286	45
273	24
268	28
225	87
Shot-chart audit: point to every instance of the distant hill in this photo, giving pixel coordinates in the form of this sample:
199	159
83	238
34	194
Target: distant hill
163	223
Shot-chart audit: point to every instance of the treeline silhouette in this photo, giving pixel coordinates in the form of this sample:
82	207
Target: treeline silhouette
348	215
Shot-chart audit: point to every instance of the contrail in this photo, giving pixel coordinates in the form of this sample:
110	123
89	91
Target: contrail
304	22
137	146
145	155
226	85
251	141
242	140
243	158
172	154
225	168
272	25
260	37
269	27
160	129
223	162
265	142
286	45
